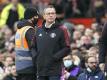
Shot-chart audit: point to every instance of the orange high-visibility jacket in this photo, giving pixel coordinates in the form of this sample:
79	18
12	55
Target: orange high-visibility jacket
23	58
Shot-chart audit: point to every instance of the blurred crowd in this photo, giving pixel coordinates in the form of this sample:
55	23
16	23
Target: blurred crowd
84	41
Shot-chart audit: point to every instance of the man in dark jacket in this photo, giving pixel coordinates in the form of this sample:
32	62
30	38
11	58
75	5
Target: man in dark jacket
92	71
24	38
103	48
52	45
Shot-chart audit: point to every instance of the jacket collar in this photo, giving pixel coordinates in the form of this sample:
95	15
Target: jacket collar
53	25
93	72
49	26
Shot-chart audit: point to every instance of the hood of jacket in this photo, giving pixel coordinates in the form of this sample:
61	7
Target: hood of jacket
23	23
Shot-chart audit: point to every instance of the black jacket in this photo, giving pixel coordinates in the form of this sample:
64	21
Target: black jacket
103	45
94	75
52	45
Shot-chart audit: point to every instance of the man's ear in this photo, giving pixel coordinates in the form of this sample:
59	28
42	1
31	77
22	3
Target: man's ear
43	16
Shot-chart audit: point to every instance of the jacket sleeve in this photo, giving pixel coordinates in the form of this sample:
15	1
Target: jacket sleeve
103	77
31	39
103	45
4	15
64	43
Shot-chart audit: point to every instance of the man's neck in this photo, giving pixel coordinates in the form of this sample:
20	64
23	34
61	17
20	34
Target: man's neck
48	25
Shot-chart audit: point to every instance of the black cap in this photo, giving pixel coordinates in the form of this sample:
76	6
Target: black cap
30	12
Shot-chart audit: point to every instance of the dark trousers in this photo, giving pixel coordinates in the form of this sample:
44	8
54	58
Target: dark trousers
48	78
26	77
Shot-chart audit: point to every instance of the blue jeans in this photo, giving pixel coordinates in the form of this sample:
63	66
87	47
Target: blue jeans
48	78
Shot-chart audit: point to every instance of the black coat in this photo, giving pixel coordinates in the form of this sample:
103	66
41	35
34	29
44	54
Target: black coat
103	45
52	45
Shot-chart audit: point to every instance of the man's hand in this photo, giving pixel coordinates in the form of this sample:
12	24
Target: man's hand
102	66
66	74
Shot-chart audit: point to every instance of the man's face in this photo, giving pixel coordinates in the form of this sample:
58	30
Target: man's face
9	61
35	20
49	15
13	70
86	40
92	63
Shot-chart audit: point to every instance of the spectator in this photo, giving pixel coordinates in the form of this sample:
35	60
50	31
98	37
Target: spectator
80	27
94	26
8	61
92	71
88	32
76	37
11	13
96	37
12	73
86	42
72	68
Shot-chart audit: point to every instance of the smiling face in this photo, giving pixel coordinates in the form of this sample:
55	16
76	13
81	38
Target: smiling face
50	15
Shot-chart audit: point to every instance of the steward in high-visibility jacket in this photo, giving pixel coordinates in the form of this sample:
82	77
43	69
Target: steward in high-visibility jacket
25	46
24	56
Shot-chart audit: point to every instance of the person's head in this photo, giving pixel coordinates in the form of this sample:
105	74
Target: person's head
94	26
1	57
15	2
80	27
7	34
93	50
96	37
13	70
89	32
32	15
77	35
8	61
85	40
91	63
67	61
71	60
10	47
49	14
